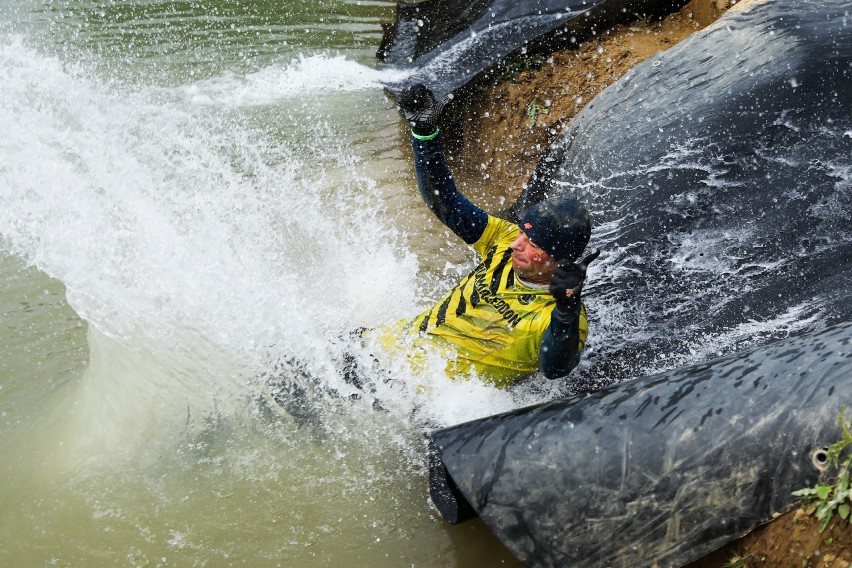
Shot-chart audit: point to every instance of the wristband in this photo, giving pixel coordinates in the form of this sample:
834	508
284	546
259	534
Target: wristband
428	137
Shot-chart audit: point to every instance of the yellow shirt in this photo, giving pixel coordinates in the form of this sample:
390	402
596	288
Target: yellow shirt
490	323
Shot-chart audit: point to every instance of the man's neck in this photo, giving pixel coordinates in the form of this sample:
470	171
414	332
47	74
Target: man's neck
529	283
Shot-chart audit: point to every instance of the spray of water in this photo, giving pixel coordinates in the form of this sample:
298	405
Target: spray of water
209	250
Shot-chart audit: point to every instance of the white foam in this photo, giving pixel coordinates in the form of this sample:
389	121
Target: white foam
185	235
301	78
168	222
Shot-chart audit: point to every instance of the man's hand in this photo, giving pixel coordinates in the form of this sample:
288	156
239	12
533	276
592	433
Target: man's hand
566	284
420	109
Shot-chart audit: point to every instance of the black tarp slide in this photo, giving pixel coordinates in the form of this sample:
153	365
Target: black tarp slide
660	470
446	43
717	175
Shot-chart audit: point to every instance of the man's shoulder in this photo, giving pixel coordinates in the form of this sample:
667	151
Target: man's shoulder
498	231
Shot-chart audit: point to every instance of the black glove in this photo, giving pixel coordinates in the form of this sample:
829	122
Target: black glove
420	109
566	284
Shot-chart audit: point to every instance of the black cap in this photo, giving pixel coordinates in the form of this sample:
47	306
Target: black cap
559	225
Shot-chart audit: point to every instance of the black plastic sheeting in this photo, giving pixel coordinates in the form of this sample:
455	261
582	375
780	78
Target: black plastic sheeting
657	471
718	175
446	43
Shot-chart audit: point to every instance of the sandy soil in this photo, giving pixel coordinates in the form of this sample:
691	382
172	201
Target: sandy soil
503	134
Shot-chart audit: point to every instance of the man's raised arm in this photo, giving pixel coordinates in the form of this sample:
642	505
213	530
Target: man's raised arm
434	178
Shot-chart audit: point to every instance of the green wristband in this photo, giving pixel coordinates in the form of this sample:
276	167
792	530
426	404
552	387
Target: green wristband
429	137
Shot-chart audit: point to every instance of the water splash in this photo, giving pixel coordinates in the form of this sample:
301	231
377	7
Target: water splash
205	247
300	79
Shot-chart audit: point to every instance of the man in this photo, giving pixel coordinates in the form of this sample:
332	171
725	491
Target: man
520	309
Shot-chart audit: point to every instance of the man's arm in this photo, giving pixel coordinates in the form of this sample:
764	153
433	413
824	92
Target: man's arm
440	193
421	111
560	344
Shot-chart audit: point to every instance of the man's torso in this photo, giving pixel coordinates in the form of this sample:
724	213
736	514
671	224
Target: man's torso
493	322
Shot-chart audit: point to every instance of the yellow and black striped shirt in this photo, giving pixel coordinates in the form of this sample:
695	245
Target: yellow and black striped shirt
491	321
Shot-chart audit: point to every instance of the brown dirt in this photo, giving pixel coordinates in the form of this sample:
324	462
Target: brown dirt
790	541
503	136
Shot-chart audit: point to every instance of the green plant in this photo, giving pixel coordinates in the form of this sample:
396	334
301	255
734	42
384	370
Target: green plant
826	500
535	109
640	25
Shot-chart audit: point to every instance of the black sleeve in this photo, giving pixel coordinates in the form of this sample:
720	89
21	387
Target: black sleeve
441	195
560	344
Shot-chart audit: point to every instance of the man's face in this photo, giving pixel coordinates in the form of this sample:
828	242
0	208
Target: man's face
530	262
